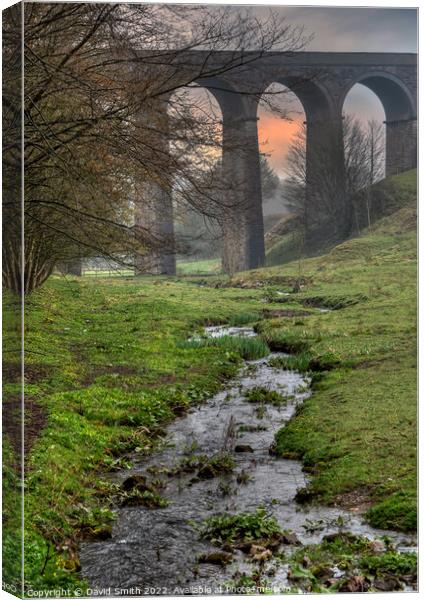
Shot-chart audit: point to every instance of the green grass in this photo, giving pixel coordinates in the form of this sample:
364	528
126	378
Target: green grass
241	319
387	197
108	364
206	267
292	362
358	429
390	562
263	395
354	555
284	250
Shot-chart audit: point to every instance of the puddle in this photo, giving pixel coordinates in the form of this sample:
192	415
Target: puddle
154	551
216	331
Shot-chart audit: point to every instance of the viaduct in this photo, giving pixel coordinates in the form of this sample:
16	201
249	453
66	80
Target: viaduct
321	81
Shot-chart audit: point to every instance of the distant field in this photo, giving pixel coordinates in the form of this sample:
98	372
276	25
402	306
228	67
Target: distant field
192	267
199	266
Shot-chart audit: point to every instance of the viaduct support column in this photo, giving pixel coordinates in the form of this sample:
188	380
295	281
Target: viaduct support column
242	217
326	200
401	146
153	212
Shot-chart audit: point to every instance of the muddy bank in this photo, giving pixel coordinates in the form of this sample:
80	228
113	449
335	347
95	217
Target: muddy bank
160	550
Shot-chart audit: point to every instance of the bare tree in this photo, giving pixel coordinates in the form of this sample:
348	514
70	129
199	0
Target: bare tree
363	165
270	181
95	74
364	156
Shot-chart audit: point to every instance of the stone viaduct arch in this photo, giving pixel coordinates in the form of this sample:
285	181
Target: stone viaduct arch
321	81
399	103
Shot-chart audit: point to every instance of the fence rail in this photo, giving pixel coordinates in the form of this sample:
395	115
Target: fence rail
107	272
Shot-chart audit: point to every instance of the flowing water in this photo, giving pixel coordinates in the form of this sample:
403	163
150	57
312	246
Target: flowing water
155	551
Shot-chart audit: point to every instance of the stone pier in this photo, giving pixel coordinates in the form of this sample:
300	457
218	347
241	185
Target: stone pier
153	210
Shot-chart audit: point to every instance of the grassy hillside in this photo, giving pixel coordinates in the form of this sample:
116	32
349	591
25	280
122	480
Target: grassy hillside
107	366
285	244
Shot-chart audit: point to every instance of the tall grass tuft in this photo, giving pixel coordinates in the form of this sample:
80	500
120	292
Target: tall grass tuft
243	319
292	362
249	348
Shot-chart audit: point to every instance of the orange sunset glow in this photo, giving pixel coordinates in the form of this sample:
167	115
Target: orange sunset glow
275	135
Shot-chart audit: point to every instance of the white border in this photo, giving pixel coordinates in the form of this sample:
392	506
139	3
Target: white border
299	3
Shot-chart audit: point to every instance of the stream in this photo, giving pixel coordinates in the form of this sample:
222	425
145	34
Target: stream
155	551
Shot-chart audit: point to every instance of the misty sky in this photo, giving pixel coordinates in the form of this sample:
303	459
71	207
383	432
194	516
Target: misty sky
356	29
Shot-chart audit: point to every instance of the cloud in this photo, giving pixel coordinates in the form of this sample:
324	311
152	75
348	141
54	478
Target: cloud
350	29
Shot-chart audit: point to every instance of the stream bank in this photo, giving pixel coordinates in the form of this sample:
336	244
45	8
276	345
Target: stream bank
161	550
